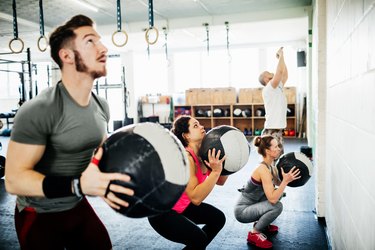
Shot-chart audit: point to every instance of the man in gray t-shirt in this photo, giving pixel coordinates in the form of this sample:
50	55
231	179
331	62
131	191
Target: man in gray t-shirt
52	143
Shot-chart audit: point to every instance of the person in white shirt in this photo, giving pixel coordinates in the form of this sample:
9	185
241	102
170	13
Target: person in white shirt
275	102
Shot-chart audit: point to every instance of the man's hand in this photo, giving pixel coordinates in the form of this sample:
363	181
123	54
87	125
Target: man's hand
96	183
279	53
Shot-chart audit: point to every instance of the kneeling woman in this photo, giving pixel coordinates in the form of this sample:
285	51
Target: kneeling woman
181	223
260	200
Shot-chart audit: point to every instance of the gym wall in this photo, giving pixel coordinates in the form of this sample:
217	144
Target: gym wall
344	119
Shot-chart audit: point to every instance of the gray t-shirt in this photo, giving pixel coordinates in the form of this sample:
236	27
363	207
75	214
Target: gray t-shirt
70	133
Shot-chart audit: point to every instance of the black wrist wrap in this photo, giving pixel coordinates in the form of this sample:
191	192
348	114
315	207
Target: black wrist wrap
57	186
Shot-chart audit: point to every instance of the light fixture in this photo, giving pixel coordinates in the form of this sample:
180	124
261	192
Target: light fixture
86	5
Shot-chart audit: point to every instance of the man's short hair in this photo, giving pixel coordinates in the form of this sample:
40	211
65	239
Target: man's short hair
261	78
64	34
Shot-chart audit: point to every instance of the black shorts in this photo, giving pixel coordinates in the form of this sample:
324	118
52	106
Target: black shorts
77	228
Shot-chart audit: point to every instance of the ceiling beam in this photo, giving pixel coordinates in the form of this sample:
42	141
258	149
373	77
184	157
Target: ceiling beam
9	18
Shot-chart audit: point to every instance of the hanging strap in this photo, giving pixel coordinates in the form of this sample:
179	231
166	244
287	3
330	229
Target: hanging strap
208	37
118	13
150	14
41	18
151	24
119	28
166	42
15	25
42	37
15	30
227	28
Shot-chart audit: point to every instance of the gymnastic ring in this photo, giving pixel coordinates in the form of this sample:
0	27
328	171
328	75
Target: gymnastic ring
121	44
10	45
157	35
39	40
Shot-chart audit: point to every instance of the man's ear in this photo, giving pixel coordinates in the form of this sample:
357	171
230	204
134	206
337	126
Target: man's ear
66	56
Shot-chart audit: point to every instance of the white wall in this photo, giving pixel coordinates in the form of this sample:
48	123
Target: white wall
318	106
350	123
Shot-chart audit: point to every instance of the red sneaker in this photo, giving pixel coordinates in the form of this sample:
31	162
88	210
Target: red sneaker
259	240
272	229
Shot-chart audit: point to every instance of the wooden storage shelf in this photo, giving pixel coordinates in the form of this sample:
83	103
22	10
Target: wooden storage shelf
249	118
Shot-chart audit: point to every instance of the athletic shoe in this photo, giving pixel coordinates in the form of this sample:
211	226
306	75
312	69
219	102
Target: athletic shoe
259	240
270	229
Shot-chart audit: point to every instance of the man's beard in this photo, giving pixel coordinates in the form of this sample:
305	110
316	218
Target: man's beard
81	67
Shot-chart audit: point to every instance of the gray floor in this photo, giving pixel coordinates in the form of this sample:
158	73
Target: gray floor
299	227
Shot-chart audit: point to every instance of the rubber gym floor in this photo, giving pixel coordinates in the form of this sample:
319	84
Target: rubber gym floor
299	227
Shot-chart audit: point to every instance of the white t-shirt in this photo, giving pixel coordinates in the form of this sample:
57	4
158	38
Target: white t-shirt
275	105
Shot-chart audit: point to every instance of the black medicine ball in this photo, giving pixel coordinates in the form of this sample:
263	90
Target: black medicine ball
218	112
246	113
290	112
199	113
155	160
300	160
232	143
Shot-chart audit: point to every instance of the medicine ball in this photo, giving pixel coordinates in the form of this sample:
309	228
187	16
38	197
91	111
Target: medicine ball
218	112
227	112
290	112
155	160
2	166
232	143
237	112
246	113
208	113
260	112
300	160
199	113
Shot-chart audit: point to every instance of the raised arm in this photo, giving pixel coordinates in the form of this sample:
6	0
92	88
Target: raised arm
281	73
284	77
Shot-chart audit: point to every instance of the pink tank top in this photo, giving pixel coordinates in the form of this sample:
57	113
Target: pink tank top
184	200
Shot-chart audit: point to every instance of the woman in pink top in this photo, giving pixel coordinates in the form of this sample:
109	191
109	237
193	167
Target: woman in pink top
181	223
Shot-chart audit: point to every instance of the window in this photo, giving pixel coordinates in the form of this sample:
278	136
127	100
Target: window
290	56
150	74
186	71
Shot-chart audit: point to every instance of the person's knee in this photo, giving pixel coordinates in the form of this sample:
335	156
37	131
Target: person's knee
239	215
278	207
220	219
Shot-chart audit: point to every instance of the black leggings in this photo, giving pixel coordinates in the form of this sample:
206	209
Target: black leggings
183	228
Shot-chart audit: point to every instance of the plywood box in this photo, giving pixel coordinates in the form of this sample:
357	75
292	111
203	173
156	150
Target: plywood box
204	96
191	96
257	95
224	96
245	95
290	93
